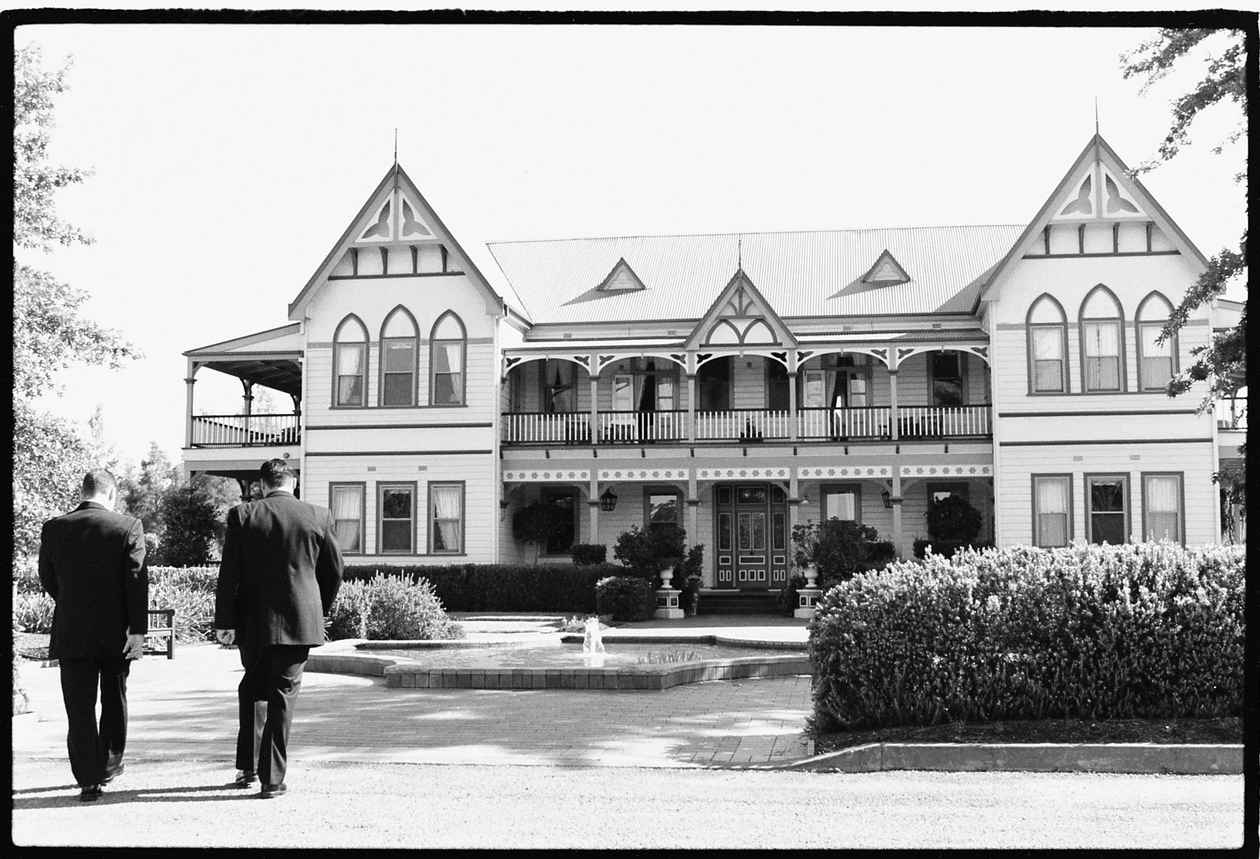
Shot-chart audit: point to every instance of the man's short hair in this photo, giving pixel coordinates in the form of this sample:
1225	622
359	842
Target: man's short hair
98	481
274	472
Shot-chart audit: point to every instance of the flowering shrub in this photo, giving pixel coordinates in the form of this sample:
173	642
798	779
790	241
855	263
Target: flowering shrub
1145	630
390	607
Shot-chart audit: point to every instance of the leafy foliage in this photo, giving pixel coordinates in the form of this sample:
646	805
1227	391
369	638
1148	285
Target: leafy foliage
625	597
536	522
648	553
1222	363
952	518
588	554
188	520
387	607
1147	630
837	548
504	587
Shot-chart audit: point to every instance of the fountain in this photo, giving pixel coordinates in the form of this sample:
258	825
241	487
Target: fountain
592	644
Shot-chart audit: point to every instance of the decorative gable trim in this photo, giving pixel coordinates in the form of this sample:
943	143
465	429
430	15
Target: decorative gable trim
378	214
886	271
740	316
1085	192
621	279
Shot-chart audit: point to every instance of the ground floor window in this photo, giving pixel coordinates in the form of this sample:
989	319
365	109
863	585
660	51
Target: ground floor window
1107	507
941	491
842	502
347	503
1162	507
1052	509
396	520
446	503
561	541
662	506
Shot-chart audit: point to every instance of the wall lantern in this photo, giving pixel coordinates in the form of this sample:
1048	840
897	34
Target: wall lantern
884	494
608	501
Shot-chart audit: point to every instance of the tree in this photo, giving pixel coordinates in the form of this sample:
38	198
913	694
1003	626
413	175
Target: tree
142	489
537	522
49	331
188	523
1223	362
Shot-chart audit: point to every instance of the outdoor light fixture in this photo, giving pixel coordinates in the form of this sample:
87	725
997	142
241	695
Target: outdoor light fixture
608	501
887	498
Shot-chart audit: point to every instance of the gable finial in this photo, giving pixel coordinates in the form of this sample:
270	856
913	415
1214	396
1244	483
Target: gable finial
395	147
739	252
1096	123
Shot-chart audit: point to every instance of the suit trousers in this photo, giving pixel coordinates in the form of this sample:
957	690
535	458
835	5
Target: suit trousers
267	695
95	747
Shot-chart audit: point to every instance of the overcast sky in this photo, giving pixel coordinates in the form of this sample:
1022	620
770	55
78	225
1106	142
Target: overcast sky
226	160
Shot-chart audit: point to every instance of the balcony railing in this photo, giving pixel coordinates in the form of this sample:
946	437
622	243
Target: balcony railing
245	430
749	425
1232	414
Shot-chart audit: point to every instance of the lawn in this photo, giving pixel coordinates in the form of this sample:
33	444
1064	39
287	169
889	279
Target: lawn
1221	730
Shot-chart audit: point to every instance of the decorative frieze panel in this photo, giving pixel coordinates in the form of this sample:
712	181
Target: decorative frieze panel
831	472
946	471
547	476
629	474
743	473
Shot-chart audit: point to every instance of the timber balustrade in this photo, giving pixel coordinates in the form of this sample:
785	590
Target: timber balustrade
746	426
245	430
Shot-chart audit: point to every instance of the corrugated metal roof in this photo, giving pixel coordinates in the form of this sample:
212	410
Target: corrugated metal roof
816	273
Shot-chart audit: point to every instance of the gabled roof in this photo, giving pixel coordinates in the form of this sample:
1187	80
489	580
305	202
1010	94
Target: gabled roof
620	280
741	313
886	270
800	274
1097	185
285	338
480	268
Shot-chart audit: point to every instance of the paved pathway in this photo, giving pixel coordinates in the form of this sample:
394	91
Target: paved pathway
186	708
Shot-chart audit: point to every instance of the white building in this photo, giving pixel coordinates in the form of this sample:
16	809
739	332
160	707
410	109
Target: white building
738	384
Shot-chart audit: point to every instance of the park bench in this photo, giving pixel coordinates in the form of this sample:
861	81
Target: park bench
161	637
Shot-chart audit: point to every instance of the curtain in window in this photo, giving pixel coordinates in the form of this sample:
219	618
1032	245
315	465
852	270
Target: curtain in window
399	365
1156	357
1047	359
350	374
347	505
842	505
1102	356
1052	512
448	372
447	518
1162	495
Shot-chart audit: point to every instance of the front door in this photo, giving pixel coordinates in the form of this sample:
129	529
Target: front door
751	532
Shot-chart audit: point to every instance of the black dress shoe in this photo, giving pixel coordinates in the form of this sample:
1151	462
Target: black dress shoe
91	793
245	778
270	790
111	774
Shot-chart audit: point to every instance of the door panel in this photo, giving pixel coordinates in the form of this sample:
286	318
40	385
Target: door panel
751	537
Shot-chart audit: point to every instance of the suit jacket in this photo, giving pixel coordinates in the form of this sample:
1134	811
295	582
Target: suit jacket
280	571
91	562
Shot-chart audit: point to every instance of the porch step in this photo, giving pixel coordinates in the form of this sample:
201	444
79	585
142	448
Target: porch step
739	602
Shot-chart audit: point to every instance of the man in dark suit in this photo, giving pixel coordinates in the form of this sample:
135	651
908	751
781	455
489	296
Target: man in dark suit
91	562
281	570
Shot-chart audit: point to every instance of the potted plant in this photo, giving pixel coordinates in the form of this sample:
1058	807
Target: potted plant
691	594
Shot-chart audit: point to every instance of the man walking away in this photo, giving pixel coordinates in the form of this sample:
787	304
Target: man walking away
91	562
281	570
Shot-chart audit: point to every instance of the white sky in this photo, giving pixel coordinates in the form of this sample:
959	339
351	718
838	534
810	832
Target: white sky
228	159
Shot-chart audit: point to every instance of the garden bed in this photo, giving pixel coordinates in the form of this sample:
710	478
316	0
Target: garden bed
31	645
1219	730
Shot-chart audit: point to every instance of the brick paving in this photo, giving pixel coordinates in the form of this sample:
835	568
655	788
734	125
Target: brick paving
186	709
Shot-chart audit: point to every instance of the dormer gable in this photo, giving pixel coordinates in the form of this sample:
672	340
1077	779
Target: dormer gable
740	316
886	271
396	232
621	279
1098	209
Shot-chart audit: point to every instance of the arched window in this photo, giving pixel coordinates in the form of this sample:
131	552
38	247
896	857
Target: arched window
398	358
1157	362
350	364
447	349
1102	342
1047	347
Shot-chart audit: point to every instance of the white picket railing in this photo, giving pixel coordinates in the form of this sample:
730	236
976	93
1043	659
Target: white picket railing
245	430
547	427
869	422
743	425
943	421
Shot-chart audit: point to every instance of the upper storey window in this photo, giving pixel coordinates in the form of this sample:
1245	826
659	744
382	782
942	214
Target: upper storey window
448	346
1157	362
1102	342
398	359
1047	347
350	364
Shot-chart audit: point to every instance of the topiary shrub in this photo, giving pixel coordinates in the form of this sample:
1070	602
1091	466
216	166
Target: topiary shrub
589	554
390	608
1151	630
625	597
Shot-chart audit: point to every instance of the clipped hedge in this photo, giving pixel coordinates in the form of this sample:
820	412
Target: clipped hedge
1151	630
587	554
390	607
505	587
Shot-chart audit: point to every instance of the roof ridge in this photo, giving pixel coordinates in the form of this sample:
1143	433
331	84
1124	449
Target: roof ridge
753	233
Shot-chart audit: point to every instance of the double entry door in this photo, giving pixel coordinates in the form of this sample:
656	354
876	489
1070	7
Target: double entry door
751	536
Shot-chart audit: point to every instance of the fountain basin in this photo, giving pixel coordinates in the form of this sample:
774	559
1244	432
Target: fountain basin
639	662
